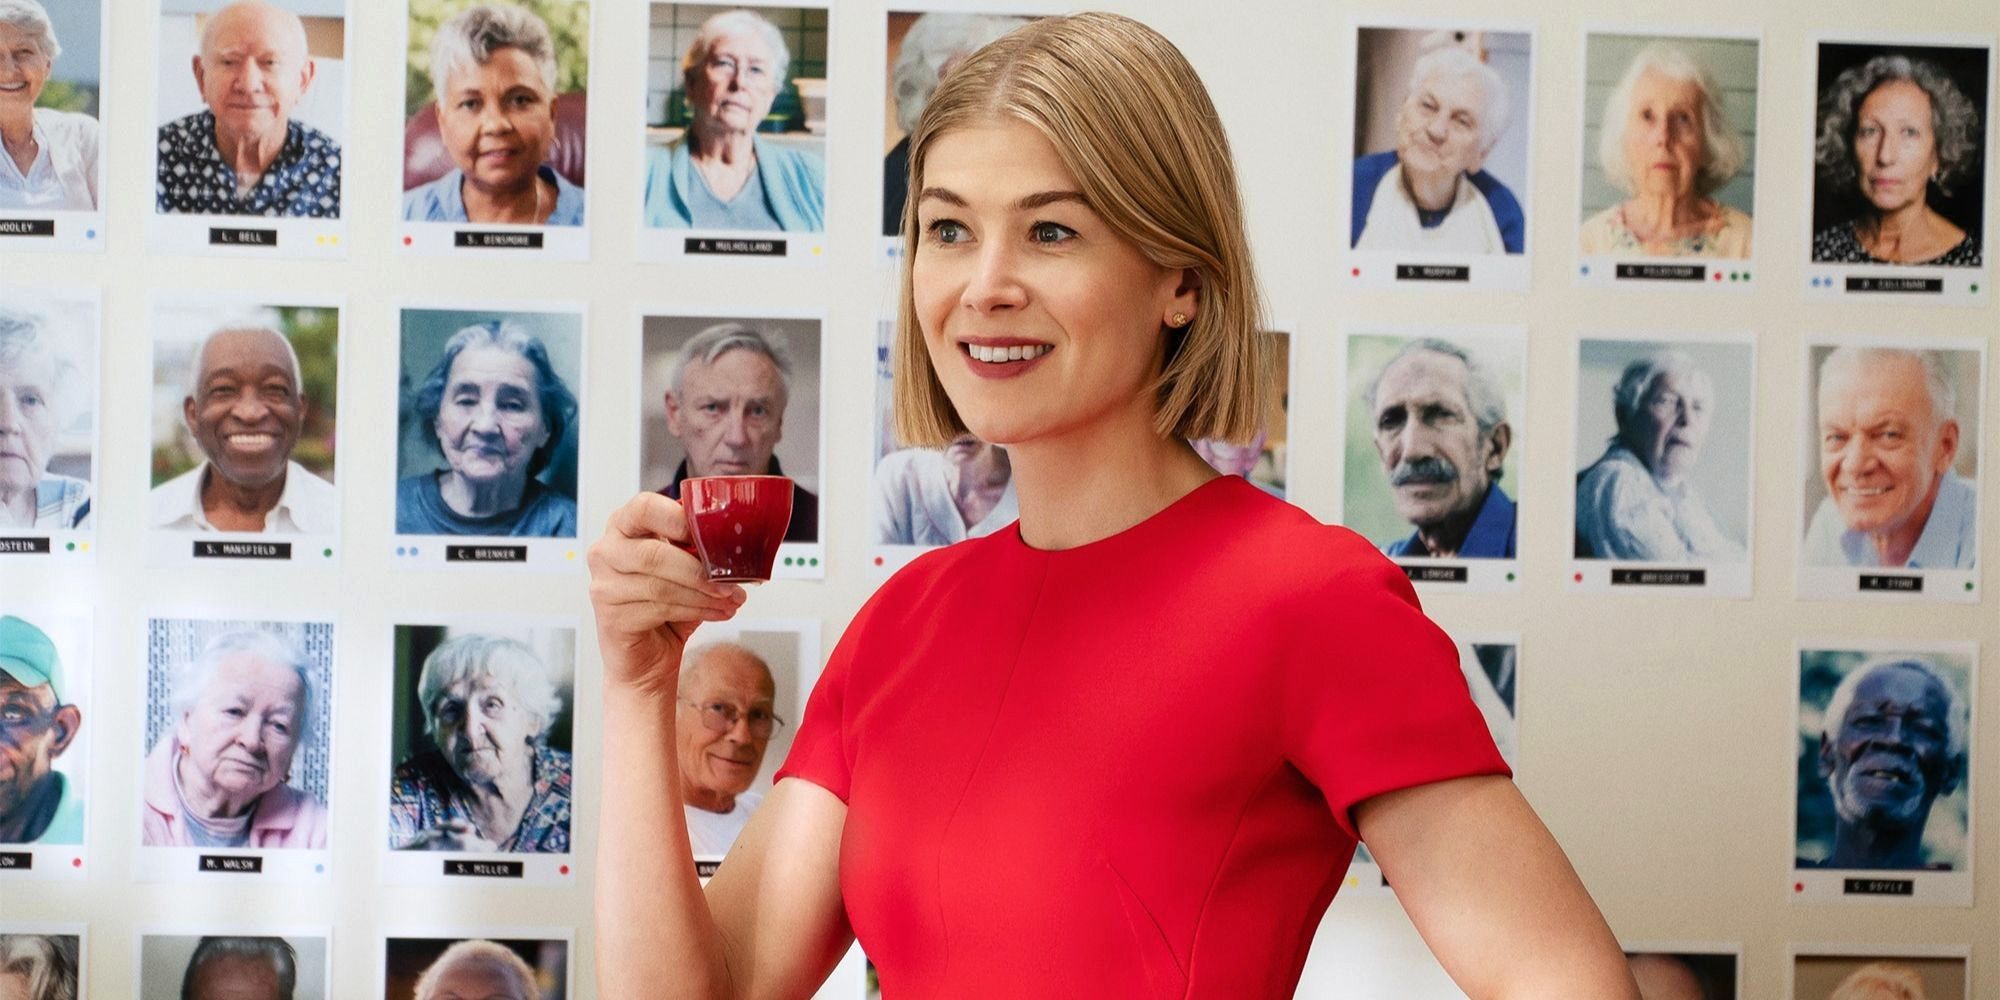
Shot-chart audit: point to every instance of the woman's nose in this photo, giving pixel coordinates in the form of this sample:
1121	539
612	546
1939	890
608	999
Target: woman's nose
485	419
995	285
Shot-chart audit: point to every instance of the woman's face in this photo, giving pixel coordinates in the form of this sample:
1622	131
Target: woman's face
490	421
1671	424
1895	147
23	70
241	732
1040	320
1664	148
498	119
27	420
482	727
734	89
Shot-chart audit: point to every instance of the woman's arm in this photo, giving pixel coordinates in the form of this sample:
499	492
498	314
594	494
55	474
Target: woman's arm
1492	893
771	923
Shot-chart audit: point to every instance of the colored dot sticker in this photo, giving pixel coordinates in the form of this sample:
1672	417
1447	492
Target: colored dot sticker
408	240
1968	586
1510	578
86	546
91	234
1975	286
818	250
1578	578
1585	269
400	551
813	562
879	560
76	862
1718	275
319	869
1798	887
327	553
71	546
563	870
413	551
570	555
1356	272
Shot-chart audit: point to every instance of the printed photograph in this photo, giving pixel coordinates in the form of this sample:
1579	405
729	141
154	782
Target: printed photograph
48	411
1263	459
739	704
41	966
188	967
1862	977
44	750
1683	975
923	46
447	969
933	496
51	97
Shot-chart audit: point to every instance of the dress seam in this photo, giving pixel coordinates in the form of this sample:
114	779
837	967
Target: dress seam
1221	861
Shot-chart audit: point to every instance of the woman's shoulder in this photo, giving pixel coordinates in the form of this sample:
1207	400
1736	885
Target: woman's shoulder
1601	232
66	125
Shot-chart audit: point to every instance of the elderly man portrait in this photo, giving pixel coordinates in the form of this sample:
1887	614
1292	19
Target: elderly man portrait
478	970
38	804
726	698
725	403
244	408
1639	500
50	155
1431	193
1897	139
1666	141
40	966
1888	436
485	779
242	968
1894	739
720	174
36	388
220	773
1439	421
246	154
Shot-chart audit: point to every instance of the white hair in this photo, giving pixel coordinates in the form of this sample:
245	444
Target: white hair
471	38
731	21
48	962
1482	390
1956	714
465	657
247	326
1937	383
195	675
708	346
933	40
29	18
23	334
1641	373
1722	148
479	952
1455	60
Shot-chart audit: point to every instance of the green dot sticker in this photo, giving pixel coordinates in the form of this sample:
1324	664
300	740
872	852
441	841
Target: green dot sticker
70	547
1968	586
327	553
815	562
1510	578
788	560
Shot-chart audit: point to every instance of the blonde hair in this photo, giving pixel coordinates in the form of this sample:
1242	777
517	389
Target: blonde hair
1131	121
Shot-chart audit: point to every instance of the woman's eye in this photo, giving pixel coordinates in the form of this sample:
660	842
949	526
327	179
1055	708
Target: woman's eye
1050	232
946	231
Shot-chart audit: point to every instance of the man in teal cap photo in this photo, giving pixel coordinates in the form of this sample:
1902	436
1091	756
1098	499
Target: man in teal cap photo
36	803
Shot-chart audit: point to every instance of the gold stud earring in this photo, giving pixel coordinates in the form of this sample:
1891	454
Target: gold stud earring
1180	319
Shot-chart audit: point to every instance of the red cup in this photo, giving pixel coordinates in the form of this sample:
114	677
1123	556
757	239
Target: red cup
738	522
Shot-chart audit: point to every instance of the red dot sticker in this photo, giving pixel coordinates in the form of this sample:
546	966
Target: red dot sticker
1798	887
565	869
1579	578
76	862
1718	275
1357	272
878	560
407	241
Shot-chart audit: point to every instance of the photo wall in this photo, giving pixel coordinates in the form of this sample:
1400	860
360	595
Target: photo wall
1656	352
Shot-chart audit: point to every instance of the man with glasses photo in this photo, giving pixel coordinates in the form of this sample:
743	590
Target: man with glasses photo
729	691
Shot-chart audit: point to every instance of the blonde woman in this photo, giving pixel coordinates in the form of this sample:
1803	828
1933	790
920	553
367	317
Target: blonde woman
1126	745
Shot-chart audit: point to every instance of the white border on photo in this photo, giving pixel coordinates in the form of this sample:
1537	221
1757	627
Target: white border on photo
275	864
175	548
434	931
73	231
1645	271
435	552
1893	887
81	932
65	548
1430	575
1655	579
1733	949
1869	952
232	235
492	241
664	244
72	631
476	871
809	665
225	928
1898	284
1420	271
796	560
1885	583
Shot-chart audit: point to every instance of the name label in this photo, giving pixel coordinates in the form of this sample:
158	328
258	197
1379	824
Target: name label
486	553
242	550
227	863
1437	574
734	248
1433	272
25	546
1919	286
485	869
219	237
1878	887
706	869
27	227
502	241
1663	272
16	861
1892	584
1658	577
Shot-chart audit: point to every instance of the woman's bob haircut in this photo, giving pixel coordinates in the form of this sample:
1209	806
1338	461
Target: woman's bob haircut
1134	125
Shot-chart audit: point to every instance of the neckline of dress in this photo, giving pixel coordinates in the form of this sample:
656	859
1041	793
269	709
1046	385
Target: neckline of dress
1165	517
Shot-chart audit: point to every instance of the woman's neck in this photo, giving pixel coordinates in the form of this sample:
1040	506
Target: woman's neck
523	205
470	499
17	133
1665	216
1911	232
202	798
724	148
1101	479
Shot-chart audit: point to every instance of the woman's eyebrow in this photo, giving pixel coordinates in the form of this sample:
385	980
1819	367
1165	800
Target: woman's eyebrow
1050	198
945	195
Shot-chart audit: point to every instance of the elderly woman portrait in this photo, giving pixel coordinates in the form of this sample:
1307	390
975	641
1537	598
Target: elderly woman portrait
50	161
720	174
1882	981
219	776
36	386
1639	501
486	779
1666	142
497	413
40	967
1899	165
929	46
478	969
931	496
493	71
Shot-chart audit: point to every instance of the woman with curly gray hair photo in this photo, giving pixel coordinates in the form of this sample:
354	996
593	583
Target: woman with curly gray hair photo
1899	160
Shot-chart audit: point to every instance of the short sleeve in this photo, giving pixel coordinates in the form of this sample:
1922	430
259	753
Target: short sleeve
1374	699
819	752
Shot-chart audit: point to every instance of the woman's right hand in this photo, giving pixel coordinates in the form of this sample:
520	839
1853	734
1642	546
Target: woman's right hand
649	592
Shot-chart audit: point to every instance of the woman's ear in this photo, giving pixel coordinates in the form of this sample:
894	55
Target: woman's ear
1186	299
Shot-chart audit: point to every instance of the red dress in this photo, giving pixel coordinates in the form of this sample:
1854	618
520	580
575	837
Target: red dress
1126	769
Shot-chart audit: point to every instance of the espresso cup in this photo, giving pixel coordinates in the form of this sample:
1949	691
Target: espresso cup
738	522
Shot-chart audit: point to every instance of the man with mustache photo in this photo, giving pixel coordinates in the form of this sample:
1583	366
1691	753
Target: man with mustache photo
1892	741
245	407
1440	426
